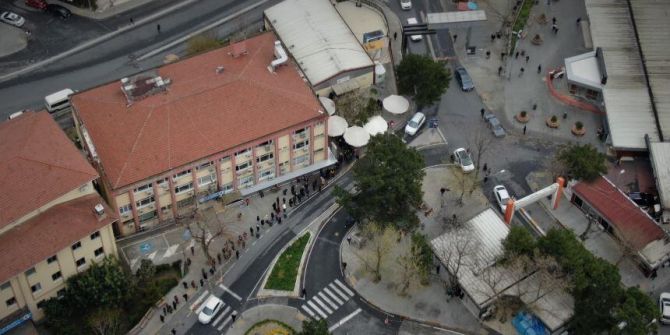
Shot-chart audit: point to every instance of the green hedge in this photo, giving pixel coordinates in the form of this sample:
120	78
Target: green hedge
521	20
285	271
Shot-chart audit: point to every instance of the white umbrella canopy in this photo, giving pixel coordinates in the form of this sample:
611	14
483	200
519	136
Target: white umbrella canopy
356	136
328	104
337	125
376	125
396	104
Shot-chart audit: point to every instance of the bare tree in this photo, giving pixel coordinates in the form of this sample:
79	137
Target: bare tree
455	251
356	107
409	267
465	183
480	143
380	241
205	234
106	321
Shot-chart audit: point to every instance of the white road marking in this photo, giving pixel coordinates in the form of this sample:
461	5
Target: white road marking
199	300
318	301
337	290
325	289
344	320
344	287
313	305
224	324
309	311
221	316
231	292
171	251
202	306
325	298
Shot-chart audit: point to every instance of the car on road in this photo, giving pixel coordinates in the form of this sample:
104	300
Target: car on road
415	124
406	4
212	306
464	80
39	4
664	305
496	127
463	159
501	195
414	38
59	11
12	18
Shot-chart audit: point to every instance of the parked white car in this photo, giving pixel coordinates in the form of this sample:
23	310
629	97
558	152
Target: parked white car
463	159
501	195
414	38
406	4
664	305
12	19
415	124
212	306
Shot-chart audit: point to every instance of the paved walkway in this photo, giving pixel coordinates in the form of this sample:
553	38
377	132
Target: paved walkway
288	315
12	39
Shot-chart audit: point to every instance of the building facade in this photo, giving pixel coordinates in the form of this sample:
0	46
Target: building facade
231	121
55	225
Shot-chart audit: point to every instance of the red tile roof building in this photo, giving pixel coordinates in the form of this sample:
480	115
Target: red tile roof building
49	226
222	121
624	219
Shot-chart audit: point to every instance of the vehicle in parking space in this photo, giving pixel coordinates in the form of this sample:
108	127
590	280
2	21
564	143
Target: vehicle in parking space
414	38
463	159
59	11
372	36
212	306
58	101
39	4
415	123
664	305
406	4
501	195
464	80
496	127
12	18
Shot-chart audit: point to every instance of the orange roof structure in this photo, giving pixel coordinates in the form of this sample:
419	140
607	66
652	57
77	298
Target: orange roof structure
53	230
38	164
213	102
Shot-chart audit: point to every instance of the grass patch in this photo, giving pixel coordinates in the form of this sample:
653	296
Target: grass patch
270	327
521	20
286	269
201	43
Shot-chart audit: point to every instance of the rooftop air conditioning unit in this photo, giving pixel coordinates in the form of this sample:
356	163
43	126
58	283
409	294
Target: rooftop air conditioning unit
99	209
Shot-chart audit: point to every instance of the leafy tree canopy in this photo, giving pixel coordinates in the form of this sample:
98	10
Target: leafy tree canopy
422	78
102	284
314	327
388	179
582	161
635	311
519	242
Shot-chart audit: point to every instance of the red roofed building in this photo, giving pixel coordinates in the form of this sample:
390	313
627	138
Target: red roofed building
621	217
53	223
191	131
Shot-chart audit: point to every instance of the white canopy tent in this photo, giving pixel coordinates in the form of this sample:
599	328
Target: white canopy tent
328	104
376	125
356	136
337	125
396	104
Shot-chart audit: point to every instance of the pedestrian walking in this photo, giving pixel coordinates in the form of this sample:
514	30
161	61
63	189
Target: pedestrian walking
162	318
164	310
133	21
202	283
184	284
437	269
278	219
486	178
193	283
185	296
158	28
521	72
237	254
258	218
488	54
556	31
486	167
304	292
192	250
211	271
524	130
482	110
455	37
283	207
516	55
174	305
499	70
251	230
349	239
553	20
261	194
344	266
174	332
534	106
442	190
579	20
258	228
498	35
493	37
233	316
527	59
395	35
176	298
539	68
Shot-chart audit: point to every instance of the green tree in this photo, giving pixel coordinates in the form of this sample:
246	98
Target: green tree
62	317
597	291
314	327
519	242
637	312
422	78
388	179
106	321
423	256
103	284
582	161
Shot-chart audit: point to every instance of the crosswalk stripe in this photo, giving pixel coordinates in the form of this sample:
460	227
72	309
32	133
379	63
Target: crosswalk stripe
223	287
344	287
326	308
225	315
224	324
199	300
309	311
325	298
221	315
313	305
337	290
325	289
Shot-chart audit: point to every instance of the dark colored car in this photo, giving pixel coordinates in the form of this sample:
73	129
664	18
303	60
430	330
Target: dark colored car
464	80
39	4
59	11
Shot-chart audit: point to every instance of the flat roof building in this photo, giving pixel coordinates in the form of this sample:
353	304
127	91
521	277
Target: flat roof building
53	223
239	118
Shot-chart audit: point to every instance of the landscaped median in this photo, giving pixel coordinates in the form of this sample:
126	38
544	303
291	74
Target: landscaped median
286	268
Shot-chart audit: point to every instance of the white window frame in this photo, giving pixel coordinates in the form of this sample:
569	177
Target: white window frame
303	158
243	152
181	174
145	202
227	188
206	182
248	165
101	254
266	174
38	290
144	187
82	265
265	157
249	181
183	188
125	209
204	165
300	145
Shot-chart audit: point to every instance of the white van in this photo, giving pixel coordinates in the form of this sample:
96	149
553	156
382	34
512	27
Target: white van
58	101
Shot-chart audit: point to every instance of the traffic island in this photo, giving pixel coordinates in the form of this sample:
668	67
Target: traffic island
268	319
270	327
283	279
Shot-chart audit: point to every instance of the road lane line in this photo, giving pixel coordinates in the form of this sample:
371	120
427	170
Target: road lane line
344	287
325	308
337	290
231	292
221	315
325	298
325	289
313	305
344	320
199	300
309	311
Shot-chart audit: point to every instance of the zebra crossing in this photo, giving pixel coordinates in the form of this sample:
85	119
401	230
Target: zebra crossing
328	300
219	320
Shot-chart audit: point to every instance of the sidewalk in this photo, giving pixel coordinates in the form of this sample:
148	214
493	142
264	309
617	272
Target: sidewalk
288	315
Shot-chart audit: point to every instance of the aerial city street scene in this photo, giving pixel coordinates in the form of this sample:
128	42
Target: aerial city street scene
345	167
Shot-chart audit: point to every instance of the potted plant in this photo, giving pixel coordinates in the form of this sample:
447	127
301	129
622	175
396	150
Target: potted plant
553	122
578	129
522	117
537	39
